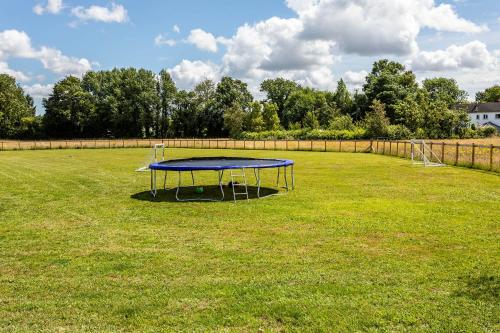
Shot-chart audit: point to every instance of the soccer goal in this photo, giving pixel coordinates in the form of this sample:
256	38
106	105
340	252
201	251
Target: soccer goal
156	154
422	154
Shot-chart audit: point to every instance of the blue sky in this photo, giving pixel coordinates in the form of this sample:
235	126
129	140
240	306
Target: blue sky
314	42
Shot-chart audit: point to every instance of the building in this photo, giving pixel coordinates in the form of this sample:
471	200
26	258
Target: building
485	114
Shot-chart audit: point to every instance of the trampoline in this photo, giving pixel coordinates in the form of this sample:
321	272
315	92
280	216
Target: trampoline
219	165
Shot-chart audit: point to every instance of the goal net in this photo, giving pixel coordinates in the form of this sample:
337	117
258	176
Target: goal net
157	153
422	154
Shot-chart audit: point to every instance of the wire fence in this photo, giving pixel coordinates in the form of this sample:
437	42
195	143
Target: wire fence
472	155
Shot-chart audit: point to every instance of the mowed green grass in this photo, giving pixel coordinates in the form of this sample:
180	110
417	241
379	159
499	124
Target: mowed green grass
365	243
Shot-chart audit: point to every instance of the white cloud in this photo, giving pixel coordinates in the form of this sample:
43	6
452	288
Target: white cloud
307	47
52	7
202	40
18	75
39	90
273	48
369	27
176	29
471	55
355	79
117	13
188	73
17	44
162	40
55	61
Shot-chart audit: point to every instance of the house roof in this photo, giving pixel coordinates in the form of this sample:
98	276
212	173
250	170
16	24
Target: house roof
484	107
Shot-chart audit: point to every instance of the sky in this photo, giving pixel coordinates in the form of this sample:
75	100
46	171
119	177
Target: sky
314	42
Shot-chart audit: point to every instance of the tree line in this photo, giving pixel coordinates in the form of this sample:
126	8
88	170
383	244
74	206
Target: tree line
138	103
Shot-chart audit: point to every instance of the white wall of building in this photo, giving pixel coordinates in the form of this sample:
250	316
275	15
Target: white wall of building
479	118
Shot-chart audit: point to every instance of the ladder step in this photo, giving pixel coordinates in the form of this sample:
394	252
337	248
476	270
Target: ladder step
240	193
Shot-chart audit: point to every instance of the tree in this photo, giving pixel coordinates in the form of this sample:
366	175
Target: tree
68	110
342	122
14	107
185	115
342	98
360	105
305	100
270	117
254	121
166	90
491	94
389	82
233	120
409	113
277	91
127	102
230	91
376	122
310	121
211	121
446	90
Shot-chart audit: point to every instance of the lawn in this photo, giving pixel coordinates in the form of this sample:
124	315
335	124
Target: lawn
364	243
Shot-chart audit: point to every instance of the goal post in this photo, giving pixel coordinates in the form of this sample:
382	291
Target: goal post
157	153
422	154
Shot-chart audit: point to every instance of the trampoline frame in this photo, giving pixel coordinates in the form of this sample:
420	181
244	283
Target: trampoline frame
220	175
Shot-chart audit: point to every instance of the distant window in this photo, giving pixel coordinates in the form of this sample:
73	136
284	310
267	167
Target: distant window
477	116
485	116
497	116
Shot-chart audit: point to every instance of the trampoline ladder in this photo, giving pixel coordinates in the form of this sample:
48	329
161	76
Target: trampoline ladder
235	184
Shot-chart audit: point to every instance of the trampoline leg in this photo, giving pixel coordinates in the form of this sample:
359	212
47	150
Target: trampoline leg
192	177
278	178
178	187
153	183
255	174
293	179
165	181
220	183
258	182
286	180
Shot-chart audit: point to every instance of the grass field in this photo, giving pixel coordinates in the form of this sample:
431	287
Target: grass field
365	243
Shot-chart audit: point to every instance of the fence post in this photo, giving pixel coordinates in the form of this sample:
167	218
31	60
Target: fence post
383	147
491	157
274	144
442	152
473	153
355	146
456	154
286	143
298	144
35	144
253	144
390	148
2	145
325	145
340	145
377	146
311	145
404	147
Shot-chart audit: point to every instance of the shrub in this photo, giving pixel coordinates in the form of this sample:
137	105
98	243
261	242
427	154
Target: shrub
304	134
